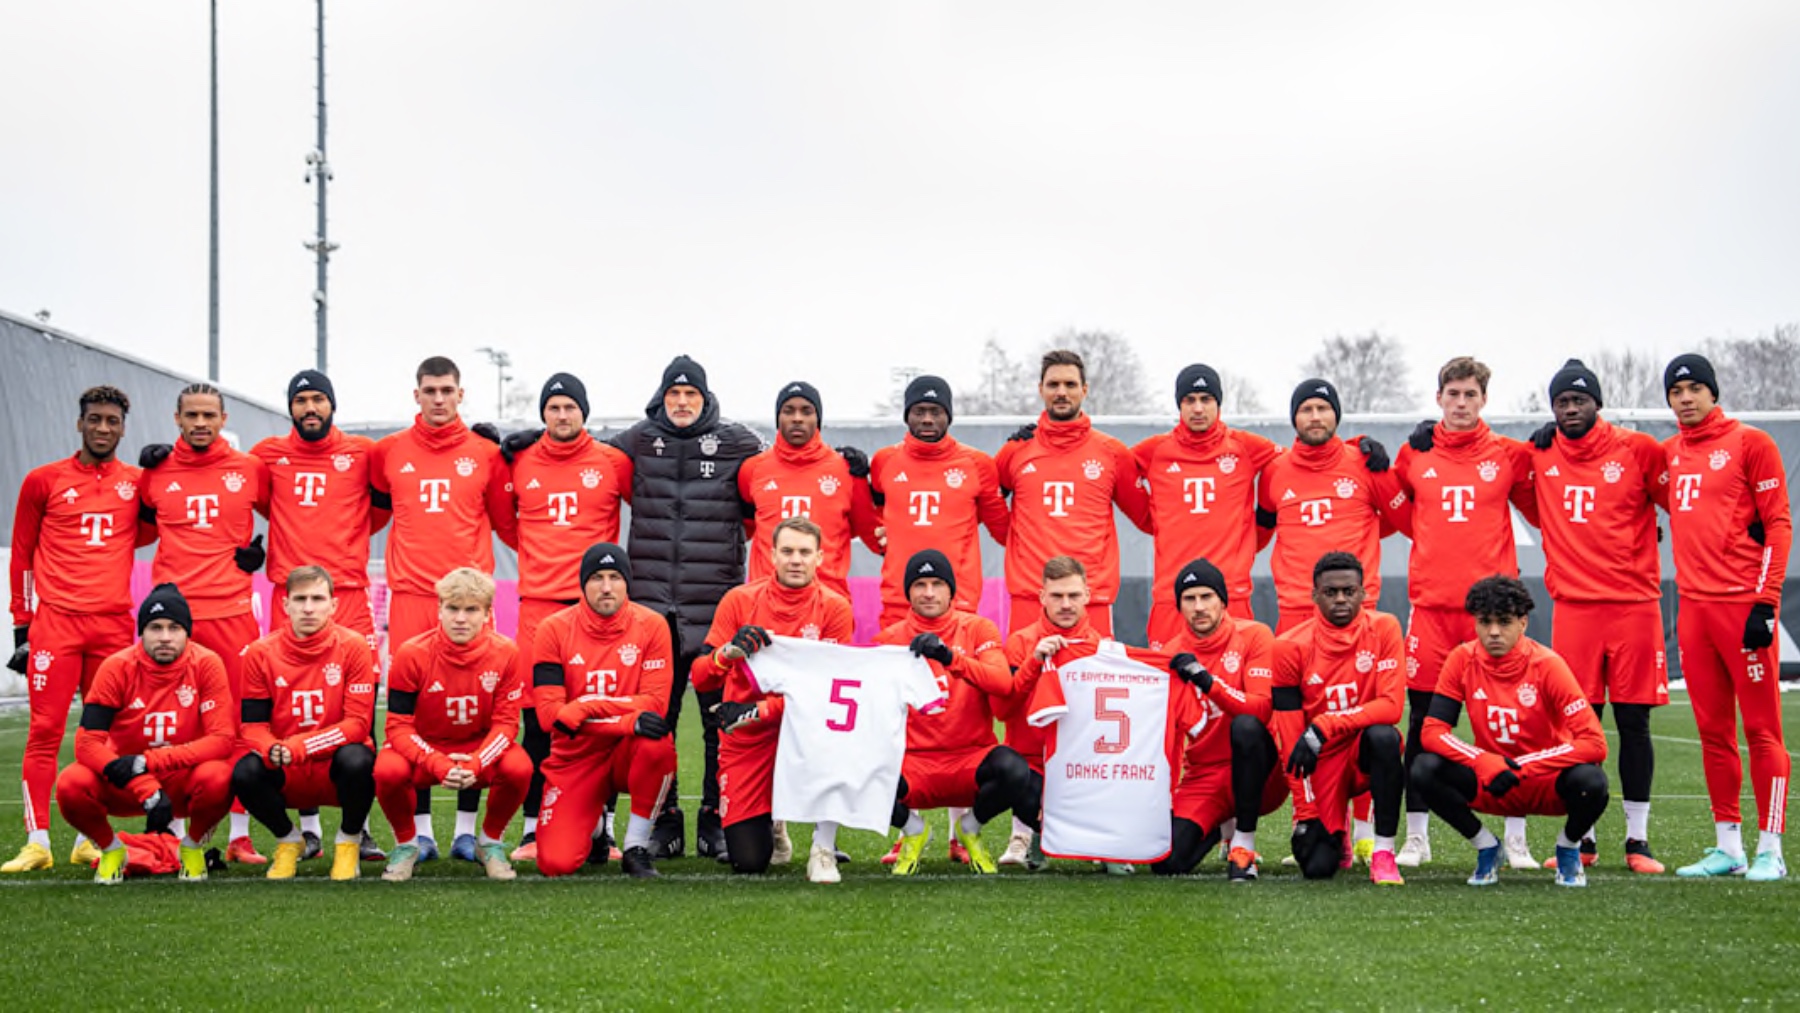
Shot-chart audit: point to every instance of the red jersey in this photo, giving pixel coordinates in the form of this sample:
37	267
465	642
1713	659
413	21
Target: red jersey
1021	654
811	481
598	674
1346	679
1324	499
73	533
977	673
205	506
316	495
812	612
1240	654
1457	511
1203	498
1724	476
465	699
1064	482
934	496
1597	499
320	692
175	716
450	493
566	497
1526	705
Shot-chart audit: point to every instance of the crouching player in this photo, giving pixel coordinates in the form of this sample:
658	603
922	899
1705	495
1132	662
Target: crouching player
453	709
1232	770
308	708
600	684
1538	746
156	733
1337	696
952	759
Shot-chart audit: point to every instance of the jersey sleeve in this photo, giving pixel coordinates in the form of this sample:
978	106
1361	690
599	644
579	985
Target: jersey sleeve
1653	462
509	695
1026	668
1439	735
1587	740
709	671
93	745
219	727
402	734
1768	484
840	623
254	682
864	518
28	521
1129	492
1522	495
502	510
1400	517
1047	702
981	663
1286	701
1256	698
990	505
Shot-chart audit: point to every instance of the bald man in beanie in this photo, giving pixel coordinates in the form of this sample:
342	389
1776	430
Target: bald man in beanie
157	732
1202	477
568	489
687	550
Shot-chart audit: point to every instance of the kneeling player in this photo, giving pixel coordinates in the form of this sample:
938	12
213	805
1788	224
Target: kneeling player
309	700
453	709
156	732
600	678
951	756
1232	768
1337	695
1538	746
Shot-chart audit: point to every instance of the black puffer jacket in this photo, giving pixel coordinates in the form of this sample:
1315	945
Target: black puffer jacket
687	523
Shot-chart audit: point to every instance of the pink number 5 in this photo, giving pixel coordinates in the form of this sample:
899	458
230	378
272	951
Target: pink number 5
838	686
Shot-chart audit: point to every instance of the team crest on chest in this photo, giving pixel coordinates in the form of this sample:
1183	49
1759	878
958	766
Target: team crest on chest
342	462
1092	469
185	695
489	679
1346	488
1528	695
709	444
590	479
233	481
1488	470
465	466
953	478
1719	459
628	654
1365	661
1232	661
1228	464
334	673
828	484
1612	471
810	631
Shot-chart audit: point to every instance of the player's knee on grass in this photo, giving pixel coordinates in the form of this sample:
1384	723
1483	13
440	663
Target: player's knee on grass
1002	782
1188	843
751	844
1317	852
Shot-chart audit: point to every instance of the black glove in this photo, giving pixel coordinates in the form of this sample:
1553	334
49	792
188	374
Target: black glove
1759	629
1374	454
1423	436
1506	780
1023	433
250	557
930	645
518	441
1305	757
158	814
487	431
857	460
729	717
1188	669
21	654
750	639
650	725
125	769
153	455
1756	532
1545	436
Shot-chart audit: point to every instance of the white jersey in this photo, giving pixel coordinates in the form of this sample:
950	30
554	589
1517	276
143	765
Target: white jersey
1117	729
843	732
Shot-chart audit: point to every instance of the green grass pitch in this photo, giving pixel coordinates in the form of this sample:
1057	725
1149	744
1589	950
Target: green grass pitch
1067	938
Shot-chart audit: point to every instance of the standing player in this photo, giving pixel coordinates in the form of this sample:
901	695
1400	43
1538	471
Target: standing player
951	756
1337	697
1202	478
308	710
1233	770
934	493
1598	487
792	604
1064	478
1461	481
799	476
156	734
74	528
567	490
203	496
600	678
449	491
453	710
1324	495
1729	522
1537	749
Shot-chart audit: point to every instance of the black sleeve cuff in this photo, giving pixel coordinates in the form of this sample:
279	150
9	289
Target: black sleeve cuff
1444	709
96	717
546	674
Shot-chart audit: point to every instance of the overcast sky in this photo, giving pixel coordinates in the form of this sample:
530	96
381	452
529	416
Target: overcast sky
827	190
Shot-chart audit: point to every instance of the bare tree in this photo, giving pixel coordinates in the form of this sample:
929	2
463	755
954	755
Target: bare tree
1005	386
1628	378
1370	372
1241	396
1758	373
1115	374
898	379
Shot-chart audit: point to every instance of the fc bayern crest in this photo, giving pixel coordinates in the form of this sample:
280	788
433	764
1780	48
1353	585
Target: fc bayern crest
1528	695
1488	470
1092	469
1612	471
1228	464
1346	488
1719	459
334	674
628	654
185	695
1232	661
1365	661
233	481
126	490
810	631
954	478
465	466
709	444
828	484
590	479
42	660
342	462
551	795
489	679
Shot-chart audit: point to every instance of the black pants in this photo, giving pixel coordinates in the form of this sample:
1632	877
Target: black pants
352	773
1450	787
1418	702
1003	781
709	787
1254	756
1378	755
751	844
1637	755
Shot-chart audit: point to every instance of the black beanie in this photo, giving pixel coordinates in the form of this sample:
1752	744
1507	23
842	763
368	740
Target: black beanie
604	556
312	379
1315	388
1690	367
165	602
683	370
568	385
929	563
800	389
1198	379
1575	376
1201	573
928	390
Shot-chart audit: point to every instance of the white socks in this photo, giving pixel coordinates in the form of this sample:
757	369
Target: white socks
41	838
1418	824
422	825
291	837
825	836
1637	821
637	832
915	824
1730	838
1768	842
530	825
465	824
116	844
1515	827
240	825
1484	839
344	838
1361	830
1020	828
1384	844
1562	841
970	825
309	823
1245	839
178	826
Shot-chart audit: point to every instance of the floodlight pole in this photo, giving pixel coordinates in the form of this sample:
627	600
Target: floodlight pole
212	321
